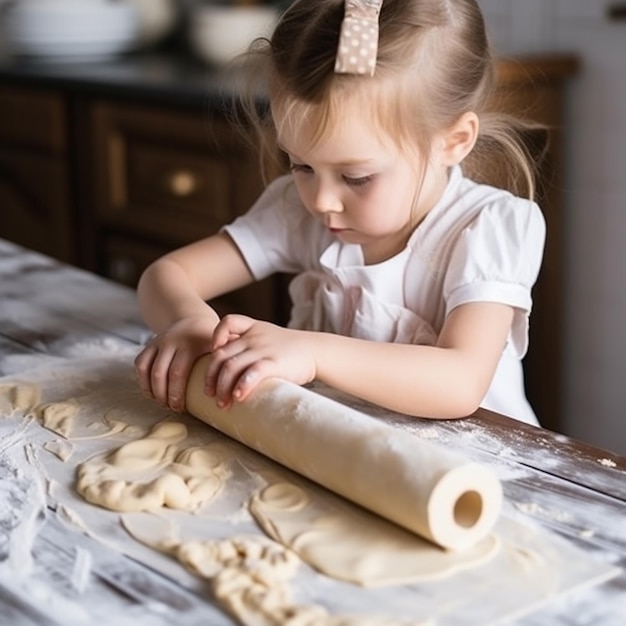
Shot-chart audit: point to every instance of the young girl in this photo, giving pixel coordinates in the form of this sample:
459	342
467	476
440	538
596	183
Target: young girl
413	286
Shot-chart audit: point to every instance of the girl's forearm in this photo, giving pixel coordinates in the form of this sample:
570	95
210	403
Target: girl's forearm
424	381
166	295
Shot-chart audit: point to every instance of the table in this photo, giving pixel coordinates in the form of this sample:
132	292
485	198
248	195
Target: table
573	489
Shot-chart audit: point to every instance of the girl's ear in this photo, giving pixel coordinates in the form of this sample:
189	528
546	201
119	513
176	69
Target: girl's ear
459	139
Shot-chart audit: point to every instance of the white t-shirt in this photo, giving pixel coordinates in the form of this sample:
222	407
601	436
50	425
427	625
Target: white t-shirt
478	244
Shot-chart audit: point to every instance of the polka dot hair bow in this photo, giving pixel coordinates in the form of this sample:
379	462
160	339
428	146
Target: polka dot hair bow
358	39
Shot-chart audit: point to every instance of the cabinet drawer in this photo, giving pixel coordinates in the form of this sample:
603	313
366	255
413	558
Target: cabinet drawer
176	176
34	202
32	119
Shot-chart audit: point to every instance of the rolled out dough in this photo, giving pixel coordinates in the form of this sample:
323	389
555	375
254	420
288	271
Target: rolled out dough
351	544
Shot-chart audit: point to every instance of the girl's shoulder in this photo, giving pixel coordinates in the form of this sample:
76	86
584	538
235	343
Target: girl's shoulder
470	204
477	197
278	233
467	206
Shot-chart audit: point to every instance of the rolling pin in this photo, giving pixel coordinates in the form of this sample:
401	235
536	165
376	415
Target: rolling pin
426	489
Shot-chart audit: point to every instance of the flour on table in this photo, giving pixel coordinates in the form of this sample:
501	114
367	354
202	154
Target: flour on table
150	473
526	570
22	511
607	462
532	508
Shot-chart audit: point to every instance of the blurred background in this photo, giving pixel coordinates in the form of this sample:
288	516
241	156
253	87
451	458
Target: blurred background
75	30
114	149
594	206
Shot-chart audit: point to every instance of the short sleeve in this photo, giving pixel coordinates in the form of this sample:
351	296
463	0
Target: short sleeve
270	235
497	259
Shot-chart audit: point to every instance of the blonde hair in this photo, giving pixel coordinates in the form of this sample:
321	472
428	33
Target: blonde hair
434	64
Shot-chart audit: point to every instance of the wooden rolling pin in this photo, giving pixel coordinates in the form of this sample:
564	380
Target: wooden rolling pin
420	486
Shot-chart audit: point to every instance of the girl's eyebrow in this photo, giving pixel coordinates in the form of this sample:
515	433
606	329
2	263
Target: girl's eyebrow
346	163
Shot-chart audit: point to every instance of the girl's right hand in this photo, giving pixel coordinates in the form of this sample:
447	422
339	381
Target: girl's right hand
164	365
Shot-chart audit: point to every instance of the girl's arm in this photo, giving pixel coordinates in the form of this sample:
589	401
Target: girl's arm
445	381
172	295
178	284
448	380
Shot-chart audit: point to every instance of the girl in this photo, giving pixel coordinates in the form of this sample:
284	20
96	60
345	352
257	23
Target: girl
414	277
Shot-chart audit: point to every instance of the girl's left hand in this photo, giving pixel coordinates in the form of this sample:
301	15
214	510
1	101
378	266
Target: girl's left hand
247	351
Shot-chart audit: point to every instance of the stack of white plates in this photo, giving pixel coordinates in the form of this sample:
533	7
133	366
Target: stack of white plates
75	30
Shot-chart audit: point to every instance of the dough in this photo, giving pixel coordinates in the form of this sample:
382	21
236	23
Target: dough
153	472
21	397
418	485
251	577
351	544
58	416
62	448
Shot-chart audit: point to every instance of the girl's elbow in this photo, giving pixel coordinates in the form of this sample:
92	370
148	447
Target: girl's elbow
465	399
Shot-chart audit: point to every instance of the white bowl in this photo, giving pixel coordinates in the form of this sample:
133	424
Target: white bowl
157	19
71	28
219	33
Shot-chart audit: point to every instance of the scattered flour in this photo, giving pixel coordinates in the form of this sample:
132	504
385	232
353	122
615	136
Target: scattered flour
607	462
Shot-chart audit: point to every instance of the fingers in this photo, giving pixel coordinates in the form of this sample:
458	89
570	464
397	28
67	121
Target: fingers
178	376
233	373
163	367
162	374
143	368
230	327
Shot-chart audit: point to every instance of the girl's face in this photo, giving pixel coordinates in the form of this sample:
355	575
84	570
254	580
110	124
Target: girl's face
360	184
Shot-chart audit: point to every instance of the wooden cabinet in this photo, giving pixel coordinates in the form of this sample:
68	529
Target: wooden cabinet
170	175
111	183
35	192
535	89
164	178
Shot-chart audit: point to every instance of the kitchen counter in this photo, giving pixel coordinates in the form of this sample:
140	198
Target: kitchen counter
178	78
49	311
168	78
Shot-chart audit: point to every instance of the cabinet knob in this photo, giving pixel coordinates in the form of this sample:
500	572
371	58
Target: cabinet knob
182	183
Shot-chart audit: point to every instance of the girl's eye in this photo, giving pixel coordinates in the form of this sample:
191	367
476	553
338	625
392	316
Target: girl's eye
358	182
299	167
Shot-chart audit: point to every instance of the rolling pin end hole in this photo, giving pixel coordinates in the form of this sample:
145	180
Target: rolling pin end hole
468	509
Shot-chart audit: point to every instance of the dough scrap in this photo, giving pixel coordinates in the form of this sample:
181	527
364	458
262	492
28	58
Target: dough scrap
18	397
114	427
154	472
351	544
62	448
58	416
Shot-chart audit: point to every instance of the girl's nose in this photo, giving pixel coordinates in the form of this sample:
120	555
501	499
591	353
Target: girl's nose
326	200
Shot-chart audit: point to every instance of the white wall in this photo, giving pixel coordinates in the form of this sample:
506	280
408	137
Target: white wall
595	201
